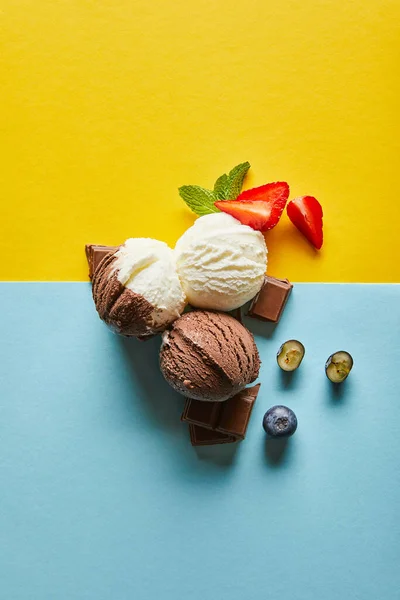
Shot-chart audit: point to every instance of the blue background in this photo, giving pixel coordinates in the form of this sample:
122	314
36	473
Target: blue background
102	496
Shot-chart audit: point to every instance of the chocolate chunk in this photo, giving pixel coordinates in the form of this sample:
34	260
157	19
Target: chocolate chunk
235	412
269	303
202	413
95	254
199	436
230	418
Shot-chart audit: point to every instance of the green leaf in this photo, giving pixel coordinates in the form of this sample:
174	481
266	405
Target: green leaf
235	180
227	187
220	187
198	199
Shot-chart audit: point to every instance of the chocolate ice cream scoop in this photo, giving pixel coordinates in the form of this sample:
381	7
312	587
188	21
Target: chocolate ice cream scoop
136	289
208	356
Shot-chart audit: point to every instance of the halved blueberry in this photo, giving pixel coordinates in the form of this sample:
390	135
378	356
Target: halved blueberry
338	366
290	355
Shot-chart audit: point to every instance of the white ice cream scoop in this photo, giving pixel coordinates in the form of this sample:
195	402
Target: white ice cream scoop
220	262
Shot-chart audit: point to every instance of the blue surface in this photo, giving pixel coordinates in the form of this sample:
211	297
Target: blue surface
103	498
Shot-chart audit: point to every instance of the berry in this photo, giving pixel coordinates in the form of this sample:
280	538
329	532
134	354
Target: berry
259	208
338	366
305	213
275	194
280	421
290	355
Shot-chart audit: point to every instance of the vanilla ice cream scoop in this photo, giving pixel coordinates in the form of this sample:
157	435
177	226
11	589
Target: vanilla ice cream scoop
136	289
220	262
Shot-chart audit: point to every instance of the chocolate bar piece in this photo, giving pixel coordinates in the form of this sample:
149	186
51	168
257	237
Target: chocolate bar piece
269	303
235	412
201	413
230	418
199	436
95	254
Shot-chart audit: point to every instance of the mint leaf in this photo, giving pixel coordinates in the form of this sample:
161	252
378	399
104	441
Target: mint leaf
227	187
235	180
220	187
198	199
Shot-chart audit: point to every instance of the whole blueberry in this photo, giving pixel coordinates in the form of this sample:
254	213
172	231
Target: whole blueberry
280	421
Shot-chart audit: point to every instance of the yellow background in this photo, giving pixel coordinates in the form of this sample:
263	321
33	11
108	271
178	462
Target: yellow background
107	106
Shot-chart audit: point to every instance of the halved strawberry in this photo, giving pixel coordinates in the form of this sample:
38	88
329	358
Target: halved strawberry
255	214
305	213
260	208
270	192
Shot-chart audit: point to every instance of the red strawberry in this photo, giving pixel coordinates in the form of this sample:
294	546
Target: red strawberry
270	192
255	214
260	208
305	213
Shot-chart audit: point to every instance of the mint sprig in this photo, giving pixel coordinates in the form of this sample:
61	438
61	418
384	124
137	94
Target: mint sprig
235	181
198	199
227	187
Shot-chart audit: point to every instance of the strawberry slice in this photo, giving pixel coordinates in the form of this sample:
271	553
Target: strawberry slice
273	193
255	214
305	213
260	208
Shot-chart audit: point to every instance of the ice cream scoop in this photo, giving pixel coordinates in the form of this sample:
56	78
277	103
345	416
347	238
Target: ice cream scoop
208	356
221	263
136	289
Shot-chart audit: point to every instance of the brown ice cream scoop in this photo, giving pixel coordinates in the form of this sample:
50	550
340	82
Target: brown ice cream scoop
136	288
124	311
209	356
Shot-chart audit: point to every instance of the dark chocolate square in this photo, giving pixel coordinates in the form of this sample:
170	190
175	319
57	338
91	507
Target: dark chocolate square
268	305
229	418
201	413
199	436
235	413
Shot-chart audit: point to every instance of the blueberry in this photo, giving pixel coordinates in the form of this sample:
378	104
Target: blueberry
280	421
290	355
338	366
